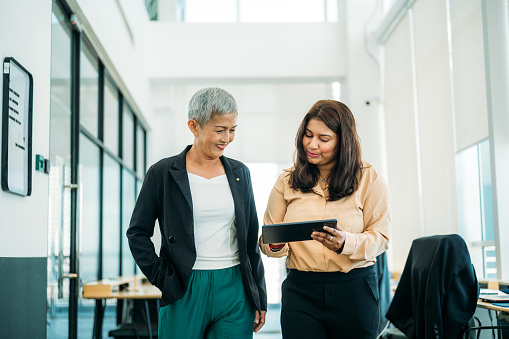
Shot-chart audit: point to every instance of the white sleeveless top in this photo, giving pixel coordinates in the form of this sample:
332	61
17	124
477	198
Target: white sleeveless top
214	225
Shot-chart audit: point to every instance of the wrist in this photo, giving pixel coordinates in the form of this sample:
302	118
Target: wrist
276	248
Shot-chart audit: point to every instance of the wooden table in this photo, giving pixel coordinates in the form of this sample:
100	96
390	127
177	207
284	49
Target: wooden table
490	306
126	288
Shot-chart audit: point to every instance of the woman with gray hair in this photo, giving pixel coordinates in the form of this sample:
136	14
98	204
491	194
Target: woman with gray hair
209	267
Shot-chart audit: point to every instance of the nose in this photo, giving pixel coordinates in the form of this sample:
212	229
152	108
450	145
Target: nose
313	143
225	138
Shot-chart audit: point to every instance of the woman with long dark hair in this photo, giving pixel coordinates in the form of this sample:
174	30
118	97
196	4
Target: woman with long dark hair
331	289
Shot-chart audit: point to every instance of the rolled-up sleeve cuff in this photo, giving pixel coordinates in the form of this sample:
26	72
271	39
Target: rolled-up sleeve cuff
350	244
283	252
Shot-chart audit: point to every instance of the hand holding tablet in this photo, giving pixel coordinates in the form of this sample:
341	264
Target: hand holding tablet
332	238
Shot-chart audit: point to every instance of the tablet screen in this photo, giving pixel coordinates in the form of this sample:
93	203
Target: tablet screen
294	231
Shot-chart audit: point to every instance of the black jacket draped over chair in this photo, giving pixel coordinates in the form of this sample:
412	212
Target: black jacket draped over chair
438	290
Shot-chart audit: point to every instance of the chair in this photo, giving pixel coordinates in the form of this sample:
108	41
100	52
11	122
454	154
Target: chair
438	290
139	320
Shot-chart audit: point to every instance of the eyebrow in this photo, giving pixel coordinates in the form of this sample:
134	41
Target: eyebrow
218	126
322	135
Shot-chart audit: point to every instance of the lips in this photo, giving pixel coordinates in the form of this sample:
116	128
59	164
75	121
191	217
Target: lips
312	155
221	146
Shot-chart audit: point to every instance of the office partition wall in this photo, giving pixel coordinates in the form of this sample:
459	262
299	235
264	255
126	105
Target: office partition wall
97	154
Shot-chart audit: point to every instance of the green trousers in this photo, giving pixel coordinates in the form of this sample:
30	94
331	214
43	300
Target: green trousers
215	306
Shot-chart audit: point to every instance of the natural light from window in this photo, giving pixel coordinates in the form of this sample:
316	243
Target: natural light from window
260	11
475	207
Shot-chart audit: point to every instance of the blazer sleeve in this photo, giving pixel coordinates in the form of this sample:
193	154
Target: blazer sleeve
141	229
252	246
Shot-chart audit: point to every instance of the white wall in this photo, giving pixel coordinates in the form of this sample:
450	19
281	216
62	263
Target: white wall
193	52
362	81
26	36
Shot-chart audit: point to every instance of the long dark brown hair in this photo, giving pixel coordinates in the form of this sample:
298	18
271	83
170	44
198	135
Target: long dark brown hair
345	176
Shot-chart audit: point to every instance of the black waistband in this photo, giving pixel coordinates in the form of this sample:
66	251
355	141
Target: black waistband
332	276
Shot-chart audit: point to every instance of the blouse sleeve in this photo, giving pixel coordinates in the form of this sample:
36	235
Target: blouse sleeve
376	215
274	214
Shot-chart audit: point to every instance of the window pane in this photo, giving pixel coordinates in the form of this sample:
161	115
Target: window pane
487	198
490	262
475	207
89	207
111	218
111	125
128	199
469	200
281	11
211	11
140	150
332	10
128	137
89	91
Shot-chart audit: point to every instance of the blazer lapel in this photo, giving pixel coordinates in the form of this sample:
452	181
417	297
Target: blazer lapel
179	174
236	182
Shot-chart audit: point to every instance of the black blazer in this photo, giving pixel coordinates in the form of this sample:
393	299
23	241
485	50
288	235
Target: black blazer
438	290
166	197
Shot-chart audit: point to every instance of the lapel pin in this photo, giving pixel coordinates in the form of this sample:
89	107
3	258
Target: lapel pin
238	179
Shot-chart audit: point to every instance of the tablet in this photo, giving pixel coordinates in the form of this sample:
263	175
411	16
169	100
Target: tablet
294	231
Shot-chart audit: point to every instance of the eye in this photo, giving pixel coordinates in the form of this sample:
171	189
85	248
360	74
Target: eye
308	135
325	140
232	131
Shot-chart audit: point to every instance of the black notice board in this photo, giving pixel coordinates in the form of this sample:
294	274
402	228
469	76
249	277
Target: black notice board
17	128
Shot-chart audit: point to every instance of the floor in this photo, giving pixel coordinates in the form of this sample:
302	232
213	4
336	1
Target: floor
58	329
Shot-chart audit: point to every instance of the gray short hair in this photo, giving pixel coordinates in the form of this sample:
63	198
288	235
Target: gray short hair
208	102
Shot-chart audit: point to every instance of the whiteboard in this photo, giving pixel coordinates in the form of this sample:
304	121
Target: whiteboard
16	128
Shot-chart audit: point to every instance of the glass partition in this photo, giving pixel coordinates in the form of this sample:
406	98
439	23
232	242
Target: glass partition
111	107
111	218
89	94
128	200
128	136
89	209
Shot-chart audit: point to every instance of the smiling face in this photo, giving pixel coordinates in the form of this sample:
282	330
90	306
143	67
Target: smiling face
320	144
212	138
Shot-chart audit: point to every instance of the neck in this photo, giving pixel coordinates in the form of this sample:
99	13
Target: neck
201	159
325	170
